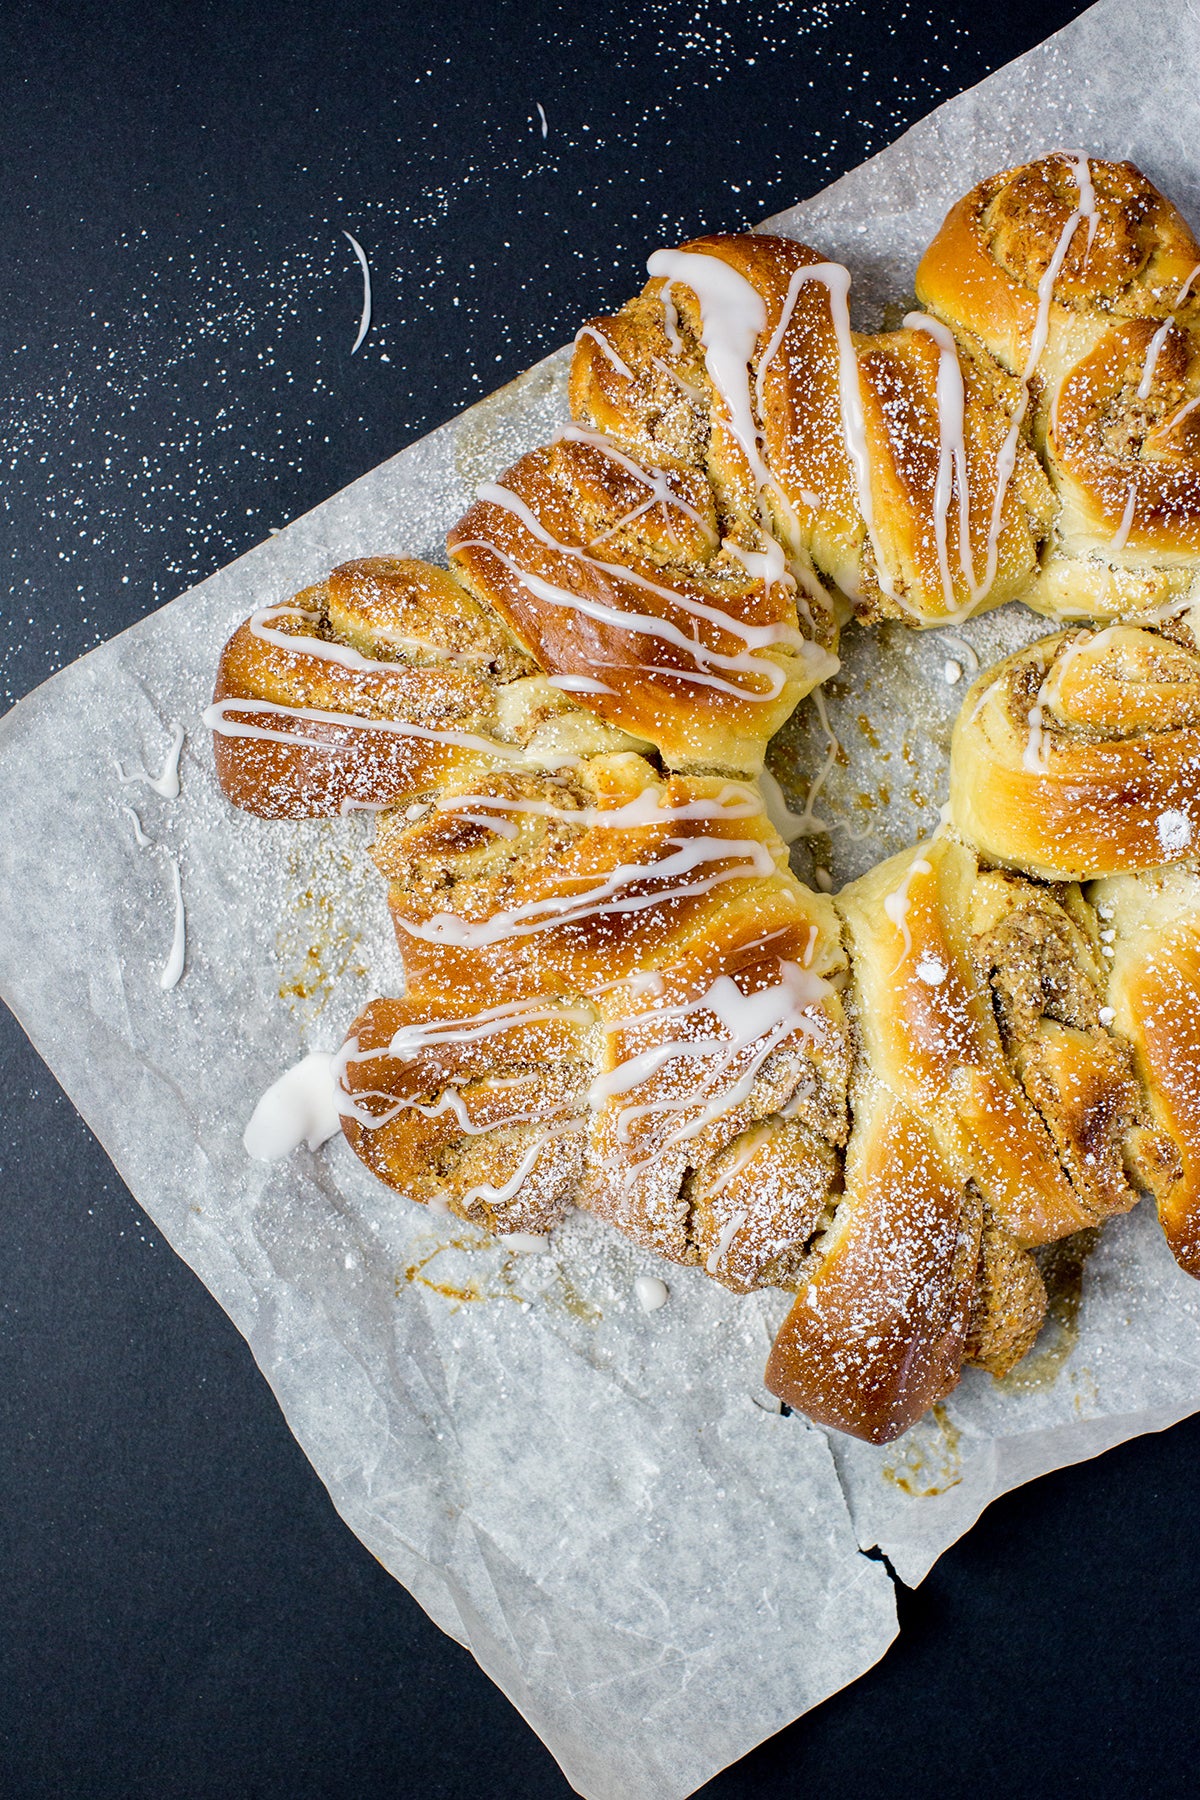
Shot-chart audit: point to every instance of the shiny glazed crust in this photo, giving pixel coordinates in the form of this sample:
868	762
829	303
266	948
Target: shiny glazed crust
1111	353
1080	756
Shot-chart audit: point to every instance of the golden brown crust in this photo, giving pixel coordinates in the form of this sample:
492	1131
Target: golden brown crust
704	1092
1038	1116
758	1203
594	874
487	1125
1078	275
672	637
1080	756
1154	990
985	264
909	559
1127	464
376	685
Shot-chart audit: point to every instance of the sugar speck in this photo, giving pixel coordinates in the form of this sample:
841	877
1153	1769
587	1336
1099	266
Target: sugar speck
1174	831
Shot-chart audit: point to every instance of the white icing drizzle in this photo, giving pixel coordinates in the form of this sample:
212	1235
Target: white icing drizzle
983	699
1119	536
671	320
962	650
173	968
1155	345
952	456
730	1034
527	1243
300	1107
217	718
607	896
498	1196
541	112
733	316
1181	415
296	643
896	904
1036	755
652	477
734	801
364	324
139	836
708	661
808	823
353	1105
579	684
1160	338
742	1158
1087	194
755	636
754	1026
347	806
686	387
788	824
720	1250
836	281
618	362
1181	296
650	1293
166	782
412	1041
293	643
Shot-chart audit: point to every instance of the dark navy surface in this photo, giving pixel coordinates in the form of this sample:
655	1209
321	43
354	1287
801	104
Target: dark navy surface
181	1611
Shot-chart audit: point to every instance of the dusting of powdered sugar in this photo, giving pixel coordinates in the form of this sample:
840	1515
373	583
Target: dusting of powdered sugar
202	385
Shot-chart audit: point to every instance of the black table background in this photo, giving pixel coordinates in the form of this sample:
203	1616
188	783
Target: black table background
181	1610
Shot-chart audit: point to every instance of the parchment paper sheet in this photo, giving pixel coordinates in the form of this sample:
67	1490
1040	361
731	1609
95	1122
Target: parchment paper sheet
656	1567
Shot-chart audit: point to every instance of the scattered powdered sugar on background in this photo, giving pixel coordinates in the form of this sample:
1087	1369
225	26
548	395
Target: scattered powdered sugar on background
193	390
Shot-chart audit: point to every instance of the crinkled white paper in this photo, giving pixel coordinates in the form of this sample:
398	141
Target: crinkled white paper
657	1567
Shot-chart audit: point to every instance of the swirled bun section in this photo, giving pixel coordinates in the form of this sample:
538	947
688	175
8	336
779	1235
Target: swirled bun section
1080	756
617	577
647	983
1036	1123
376	685
992	1110
616	994
1080	278
851	446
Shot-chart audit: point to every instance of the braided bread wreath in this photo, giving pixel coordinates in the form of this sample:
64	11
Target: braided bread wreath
617	994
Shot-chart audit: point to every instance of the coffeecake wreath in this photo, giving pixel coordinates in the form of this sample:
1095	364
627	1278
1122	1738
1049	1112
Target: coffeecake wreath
617	994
